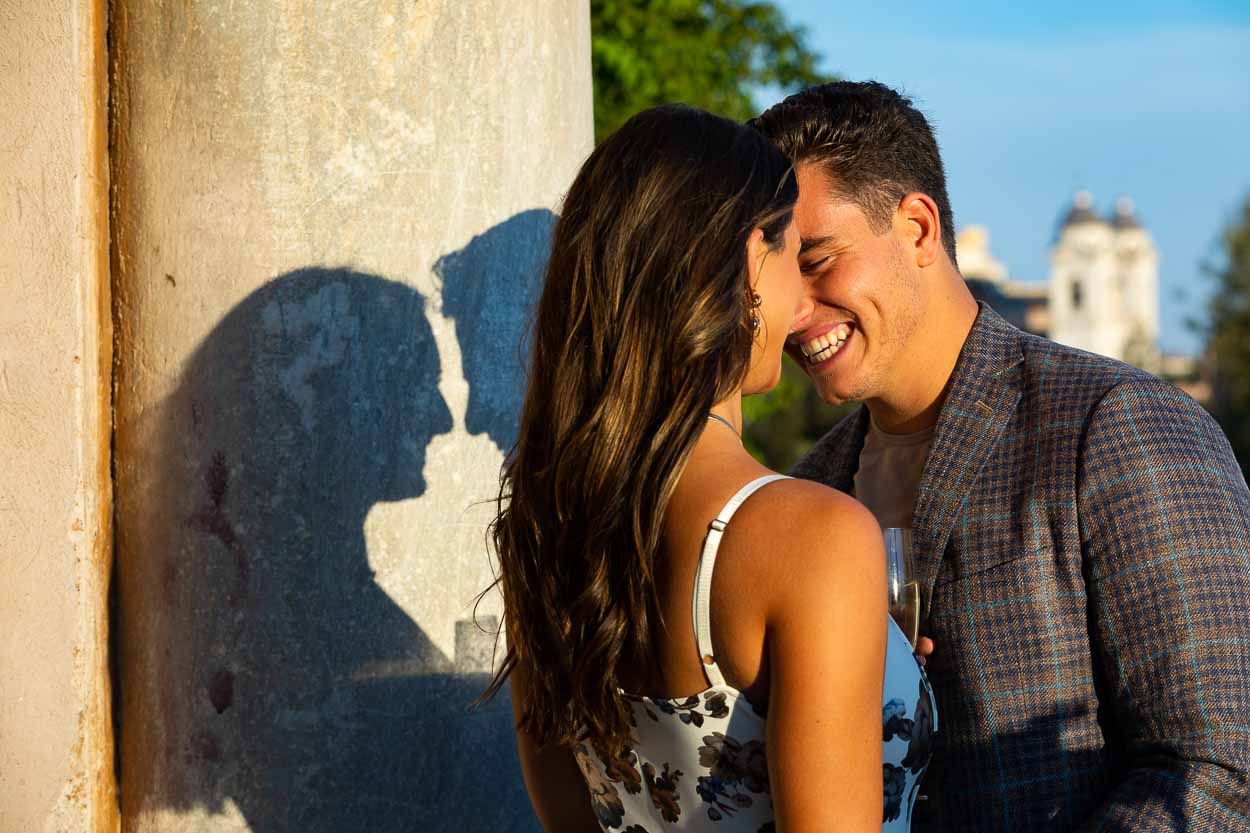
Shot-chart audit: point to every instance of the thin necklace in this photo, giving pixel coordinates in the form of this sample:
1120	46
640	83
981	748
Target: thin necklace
726	423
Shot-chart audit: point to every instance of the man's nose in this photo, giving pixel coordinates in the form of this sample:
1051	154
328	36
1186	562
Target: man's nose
806	309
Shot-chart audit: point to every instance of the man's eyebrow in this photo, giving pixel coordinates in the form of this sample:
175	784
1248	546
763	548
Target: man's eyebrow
810	243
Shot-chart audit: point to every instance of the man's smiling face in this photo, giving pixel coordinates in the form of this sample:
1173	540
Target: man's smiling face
867	296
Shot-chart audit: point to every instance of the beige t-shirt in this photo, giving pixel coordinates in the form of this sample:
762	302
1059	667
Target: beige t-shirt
890	466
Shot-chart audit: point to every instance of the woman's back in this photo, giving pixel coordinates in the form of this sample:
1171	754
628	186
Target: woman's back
700	757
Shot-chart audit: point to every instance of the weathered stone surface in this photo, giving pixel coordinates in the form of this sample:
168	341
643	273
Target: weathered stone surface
328	224
56	758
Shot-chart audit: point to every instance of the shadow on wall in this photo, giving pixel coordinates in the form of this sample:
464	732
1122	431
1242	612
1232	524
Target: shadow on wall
287	680
489	289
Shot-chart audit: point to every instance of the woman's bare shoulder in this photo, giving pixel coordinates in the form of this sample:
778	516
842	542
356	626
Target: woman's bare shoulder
799	528
803	510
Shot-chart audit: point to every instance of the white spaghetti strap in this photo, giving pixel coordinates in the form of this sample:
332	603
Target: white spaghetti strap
703	577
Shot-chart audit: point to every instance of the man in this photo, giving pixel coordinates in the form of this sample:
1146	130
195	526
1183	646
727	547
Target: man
1081	527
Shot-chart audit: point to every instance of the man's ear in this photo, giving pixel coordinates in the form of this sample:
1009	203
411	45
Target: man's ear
757	250
921	226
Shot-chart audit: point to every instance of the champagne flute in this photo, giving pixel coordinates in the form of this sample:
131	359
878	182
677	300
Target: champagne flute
902	588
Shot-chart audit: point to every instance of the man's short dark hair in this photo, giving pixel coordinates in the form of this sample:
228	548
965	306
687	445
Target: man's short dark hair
871	142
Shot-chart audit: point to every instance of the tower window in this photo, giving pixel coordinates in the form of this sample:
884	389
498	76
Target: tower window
1076	295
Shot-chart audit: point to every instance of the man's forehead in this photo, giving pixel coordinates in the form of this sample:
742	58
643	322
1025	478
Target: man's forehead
825	215
816	180
818	185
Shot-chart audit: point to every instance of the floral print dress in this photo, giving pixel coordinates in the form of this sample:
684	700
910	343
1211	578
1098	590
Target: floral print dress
698	763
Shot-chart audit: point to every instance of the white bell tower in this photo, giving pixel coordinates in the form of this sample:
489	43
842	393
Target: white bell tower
1104	293
1084	299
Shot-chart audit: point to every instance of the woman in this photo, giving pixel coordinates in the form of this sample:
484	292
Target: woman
648	696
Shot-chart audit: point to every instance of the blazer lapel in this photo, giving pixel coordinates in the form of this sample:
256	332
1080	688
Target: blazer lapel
980	400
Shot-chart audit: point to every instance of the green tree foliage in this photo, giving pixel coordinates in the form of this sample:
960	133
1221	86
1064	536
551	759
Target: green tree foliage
712	54
708	53
783	424
1228	337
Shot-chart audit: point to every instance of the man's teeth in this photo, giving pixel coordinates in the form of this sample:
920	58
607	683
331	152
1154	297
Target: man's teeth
823	347
825	353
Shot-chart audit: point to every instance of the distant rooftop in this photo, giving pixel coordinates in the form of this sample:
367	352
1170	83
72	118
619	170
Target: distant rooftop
1081	212
1122	217
972	246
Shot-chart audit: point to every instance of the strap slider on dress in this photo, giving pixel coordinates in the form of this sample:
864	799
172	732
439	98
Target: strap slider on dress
718	525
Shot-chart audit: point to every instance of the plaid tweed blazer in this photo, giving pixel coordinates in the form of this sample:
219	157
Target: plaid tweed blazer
1082	535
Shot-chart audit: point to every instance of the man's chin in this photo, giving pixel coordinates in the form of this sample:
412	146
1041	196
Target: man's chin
833	393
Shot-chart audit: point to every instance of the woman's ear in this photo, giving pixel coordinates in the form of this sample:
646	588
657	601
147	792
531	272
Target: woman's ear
757	250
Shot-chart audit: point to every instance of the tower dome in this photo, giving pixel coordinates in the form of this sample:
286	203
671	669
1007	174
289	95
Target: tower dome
1081	212
1123	217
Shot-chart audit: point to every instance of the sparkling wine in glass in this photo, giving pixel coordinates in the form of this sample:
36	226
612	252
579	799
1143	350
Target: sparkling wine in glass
903	590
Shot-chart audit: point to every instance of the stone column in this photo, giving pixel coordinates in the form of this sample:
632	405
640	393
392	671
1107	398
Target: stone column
56	755
329	220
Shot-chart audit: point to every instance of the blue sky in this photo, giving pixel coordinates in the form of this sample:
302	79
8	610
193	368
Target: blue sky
1034	102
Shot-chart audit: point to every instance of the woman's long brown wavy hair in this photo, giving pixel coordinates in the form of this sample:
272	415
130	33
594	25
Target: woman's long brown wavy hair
644	323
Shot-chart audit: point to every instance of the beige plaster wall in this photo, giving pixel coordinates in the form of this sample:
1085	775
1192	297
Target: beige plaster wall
329	220
56	761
